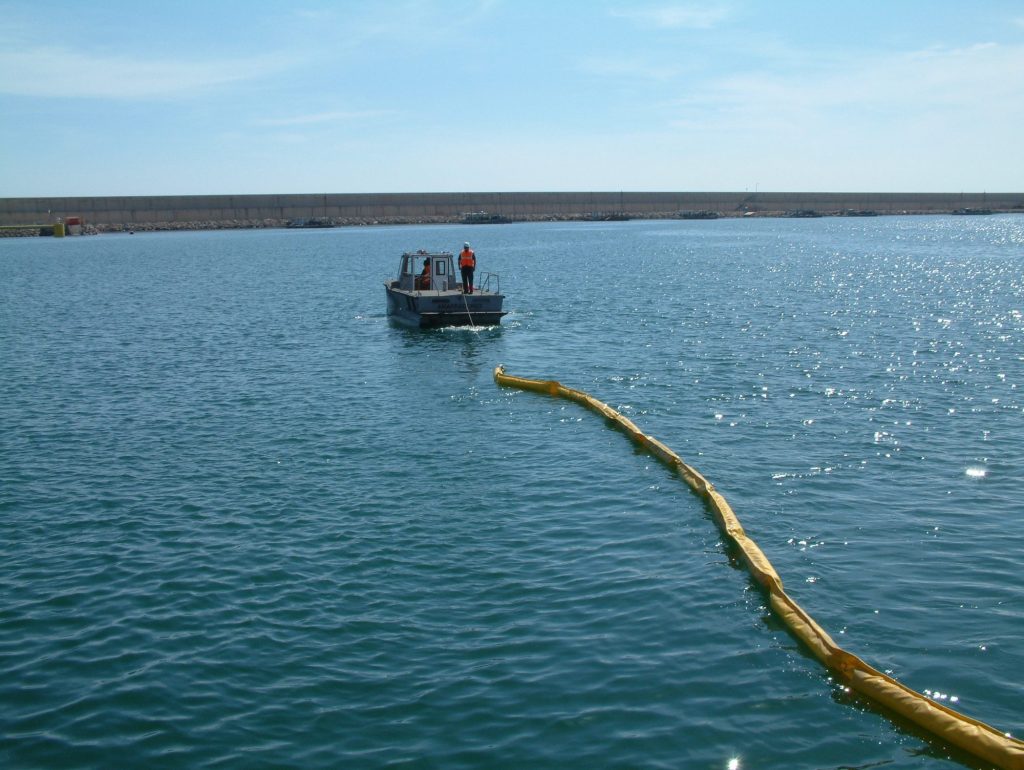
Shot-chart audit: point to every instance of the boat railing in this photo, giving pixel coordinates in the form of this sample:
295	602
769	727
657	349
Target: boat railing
484	284
435	284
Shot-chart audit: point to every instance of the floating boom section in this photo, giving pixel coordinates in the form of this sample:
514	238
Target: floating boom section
950	726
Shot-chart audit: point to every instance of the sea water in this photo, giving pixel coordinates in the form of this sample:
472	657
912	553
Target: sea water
247	522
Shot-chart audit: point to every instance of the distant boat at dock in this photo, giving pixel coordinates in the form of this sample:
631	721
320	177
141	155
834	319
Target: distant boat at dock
483	218
311	222
602	216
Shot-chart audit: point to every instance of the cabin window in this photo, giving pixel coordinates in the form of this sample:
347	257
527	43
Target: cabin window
441	266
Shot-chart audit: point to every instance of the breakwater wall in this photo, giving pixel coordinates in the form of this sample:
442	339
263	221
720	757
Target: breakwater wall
369	208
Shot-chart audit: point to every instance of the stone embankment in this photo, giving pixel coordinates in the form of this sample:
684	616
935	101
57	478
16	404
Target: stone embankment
207	212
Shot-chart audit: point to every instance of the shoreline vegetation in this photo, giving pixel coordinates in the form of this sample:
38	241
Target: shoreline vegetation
330	222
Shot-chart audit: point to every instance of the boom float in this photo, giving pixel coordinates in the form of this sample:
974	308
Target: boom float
944	723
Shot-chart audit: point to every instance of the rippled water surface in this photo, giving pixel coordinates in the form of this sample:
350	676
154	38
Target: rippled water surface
249	523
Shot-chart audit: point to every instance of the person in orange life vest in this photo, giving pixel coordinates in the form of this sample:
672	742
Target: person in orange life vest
425	275
467	264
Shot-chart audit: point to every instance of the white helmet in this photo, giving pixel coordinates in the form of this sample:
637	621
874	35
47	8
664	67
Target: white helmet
465	245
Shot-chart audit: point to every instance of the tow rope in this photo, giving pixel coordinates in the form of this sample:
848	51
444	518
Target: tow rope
944	723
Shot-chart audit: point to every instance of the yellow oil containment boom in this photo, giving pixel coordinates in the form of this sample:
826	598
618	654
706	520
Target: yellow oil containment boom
950	726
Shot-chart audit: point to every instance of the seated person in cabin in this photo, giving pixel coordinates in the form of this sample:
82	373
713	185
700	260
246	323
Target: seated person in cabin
424	277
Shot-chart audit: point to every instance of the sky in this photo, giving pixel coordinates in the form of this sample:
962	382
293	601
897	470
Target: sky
233	97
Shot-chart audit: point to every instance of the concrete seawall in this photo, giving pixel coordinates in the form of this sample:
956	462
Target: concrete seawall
385	207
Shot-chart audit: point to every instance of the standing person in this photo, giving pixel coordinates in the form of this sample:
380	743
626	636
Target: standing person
467	264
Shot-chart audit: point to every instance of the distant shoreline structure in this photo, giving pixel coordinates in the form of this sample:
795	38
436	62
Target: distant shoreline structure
215	212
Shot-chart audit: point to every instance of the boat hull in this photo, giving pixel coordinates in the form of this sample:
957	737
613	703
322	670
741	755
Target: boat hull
433	309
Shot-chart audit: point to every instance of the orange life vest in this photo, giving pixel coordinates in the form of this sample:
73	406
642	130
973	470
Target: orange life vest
467	258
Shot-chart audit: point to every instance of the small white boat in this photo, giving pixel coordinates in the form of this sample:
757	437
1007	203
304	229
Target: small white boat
434	297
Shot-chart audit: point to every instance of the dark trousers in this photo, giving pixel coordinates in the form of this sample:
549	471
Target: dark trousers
467	279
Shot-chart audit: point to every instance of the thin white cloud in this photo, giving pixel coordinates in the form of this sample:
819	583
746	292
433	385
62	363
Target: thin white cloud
936	78
610	66
916	120
674	16
318	16
56	71
335	116
410	21
291	138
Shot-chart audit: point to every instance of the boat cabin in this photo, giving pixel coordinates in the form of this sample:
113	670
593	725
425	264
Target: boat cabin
422	270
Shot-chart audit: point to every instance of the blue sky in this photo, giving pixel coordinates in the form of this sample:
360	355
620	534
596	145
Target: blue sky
224	97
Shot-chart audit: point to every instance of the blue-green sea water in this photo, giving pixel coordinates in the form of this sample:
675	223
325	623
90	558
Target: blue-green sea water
249	523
